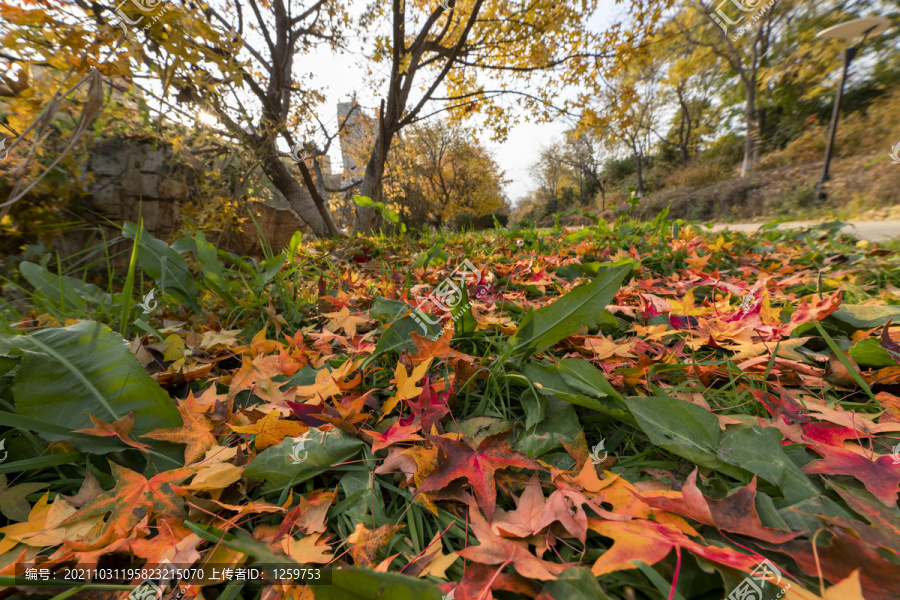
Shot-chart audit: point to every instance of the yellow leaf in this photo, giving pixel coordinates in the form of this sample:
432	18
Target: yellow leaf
406	385
270	430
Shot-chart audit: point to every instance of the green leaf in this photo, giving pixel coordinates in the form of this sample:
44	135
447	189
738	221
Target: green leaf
868	353
387	311
580	384
866	317
575	584
582	373
561	422
365	584
399	336
546	326
758	450
64	374
324	449
682	428
62	290
164	265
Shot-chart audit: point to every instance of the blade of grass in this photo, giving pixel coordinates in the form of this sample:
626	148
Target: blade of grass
128	289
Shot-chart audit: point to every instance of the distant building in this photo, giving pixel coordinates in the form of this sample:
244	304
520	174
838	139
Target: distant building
356	137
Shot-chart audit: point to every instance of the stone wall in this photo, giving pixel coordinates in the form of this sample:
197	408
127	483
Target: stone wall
133	179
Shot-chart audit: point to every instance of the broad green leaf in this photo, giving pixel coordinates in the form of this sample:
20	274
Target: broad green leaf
546	326
321	450
64	374
582	373
164	265
355	583
386	310
575	385
63	291
399	336
682	428
758	450
868	353
866	317
561	422
575	584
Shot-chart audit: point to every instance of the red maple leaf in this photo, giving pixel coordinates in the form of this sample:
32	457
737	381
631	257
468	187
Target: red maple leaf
476	466
881	476
398	432
429	407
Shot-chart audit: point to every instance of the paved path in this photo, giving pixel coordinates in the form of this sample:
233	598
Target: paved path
874	231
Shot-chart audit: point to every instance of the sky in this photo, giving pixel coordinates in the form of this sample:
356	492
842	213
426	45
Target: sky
342	74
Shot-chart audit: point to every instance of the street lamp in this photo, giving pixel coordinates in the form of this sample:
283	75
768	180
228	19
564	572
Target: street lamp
864	28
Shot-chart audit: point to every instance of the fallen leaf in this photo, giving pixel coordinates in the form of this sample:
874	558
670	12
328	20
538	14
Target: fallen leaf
270	430
120	428
476	466
194	433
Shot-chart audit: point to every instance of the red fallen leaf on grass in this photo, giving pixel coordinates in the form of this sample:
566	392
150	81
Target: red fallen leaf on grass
782	406
429	407
395	433
480	580
735	513
305	412
881	476
477	466
843	555
831	434
807	311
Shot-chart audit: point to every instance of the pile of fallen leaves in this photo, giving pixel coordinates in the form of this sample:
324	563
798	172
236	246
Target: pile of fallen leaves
647	411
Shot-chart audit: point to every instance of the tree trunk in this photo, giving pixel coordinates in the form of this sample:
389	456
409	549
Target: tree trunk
294	193
750	124
368	220
638	163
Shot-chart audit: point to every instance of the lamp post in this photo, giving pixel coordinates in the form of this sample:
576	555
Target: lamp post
849	30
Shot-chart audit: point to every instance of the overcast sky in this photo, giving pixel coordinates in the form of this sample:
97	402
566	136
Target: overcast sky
341	75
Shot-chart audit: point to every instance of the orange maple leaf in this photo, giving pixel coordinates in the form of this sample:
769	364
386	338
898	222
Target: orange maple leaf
120	428
194	432
132	499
